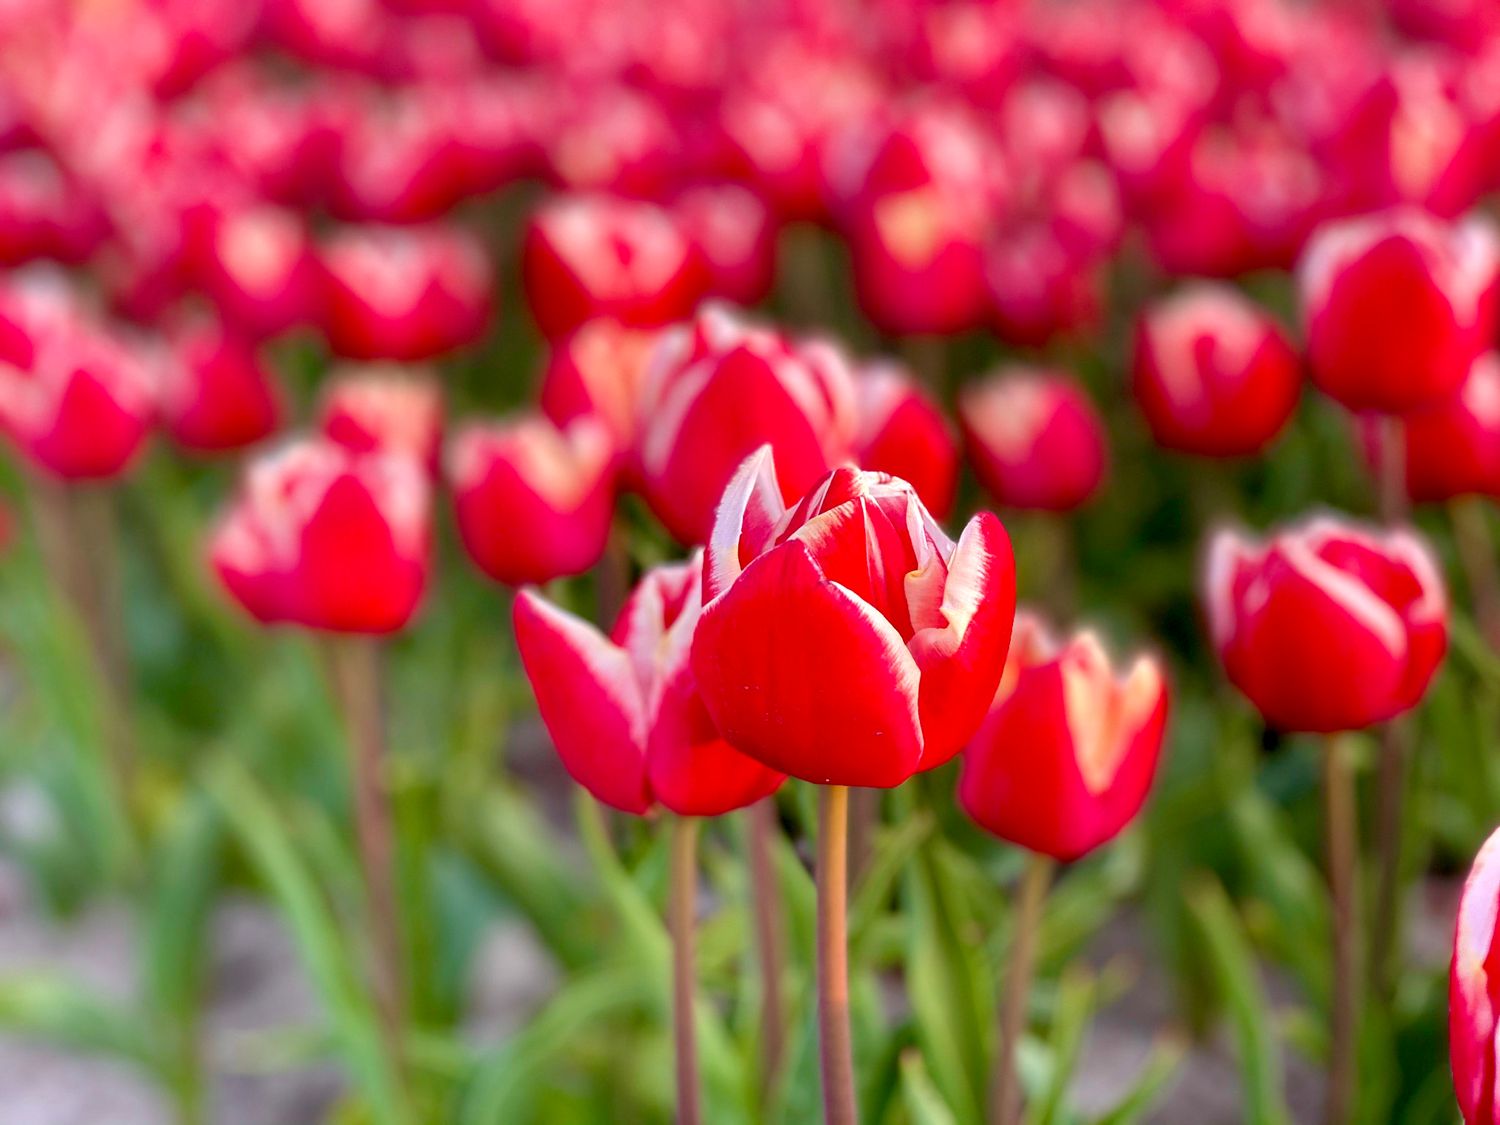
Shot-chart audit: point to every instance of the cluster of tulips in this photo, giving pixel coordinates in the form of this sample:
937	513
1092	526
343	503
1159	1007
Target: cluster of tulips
195	198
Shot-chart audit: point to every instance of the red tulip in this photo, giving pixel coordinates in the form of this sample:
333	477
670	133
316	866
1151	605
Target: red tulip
1039	290
405	293
1214	374
384	408
902	432
624	711
328	539
398	162
534	502
735	237
717	389
848	640
1473	995
599	368
1067	754
43	213
1034	439
594	256
1398	305
259	268
1327	626
217	395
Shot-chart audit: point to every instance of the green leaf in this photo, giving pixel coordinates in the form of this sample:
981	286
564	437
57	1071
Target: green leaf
1156	1077
923	1102
71	1015
1075	1003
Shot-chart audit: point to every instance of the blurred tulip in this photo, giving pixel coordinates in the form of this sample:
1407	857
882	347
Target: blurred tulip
1034	439
217	395
735	237
384	408
326	538
1039	290
595	256
259	268
399	162
534	502
848	640
1327	626
1213	374
902	432
600	369
405	293
45	214
624	711
1398	305
719	387
1067	754
1473	1012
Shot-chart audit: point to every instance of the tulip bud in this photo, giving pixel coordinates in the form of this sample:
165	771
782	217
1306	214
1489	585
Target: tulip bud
1327	626
217	395
624	711
1067	754
1034	439
902	432
405	293
735	238
384	408
328	539
1213	374
1398	305
1039	290
598	369
1473	1012
44	214
591	256
534	502
847	640
717	389
258	267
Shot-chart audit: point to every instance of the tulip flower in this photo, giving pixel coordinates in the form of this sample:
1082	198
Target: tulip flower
534	502
857	576
600	369
329	539
1473	1013
717	389
43	213
405	294
1397	305
1034	439
594	256
259	268
1213	374
1327	626
1039	289
735	237
384	408
217	395
1067	754
623	709
902	432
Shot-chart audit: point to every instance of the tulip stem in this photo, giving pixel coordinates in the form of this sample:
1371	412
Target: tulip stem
1005	1087
1391	469
766	904
1476	552
1343	842
681	919
835	1047
356	671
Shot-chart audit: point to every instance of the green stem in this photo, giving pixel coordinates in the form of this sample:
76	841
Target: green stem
1343	883
1005	1086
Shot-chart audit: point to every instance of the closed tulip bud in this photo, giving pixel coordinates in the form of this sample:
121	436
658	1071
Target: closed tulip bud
1451	449
902	432
328	539
217	395
405	294
847	640
1067	754
716	390
1214	374
384	408
82	406
624	710
1040	290
591	256
1326	626
1034	439
598	369
736	239
534	502
1397	305
1473	1011
258	266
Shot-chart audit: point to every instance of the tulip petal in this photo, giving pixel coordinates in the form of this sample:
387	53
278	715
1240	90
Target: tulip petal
693	771
589	699
748	512
1472	987
803	676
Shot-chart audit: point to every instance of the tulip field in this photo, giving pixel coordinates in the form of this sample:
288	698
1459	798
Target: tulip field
607	562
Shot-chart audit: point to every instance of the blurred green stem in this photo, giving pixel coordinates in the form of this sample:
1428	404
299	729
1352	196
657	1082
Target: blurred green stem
1476	552
835	1048
681	918
1343	883
766	905
1005	1086
355	662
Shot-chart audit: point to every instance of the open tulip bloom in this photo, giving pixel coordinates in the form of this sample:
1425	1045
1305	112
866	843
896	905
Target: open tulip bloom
1474	990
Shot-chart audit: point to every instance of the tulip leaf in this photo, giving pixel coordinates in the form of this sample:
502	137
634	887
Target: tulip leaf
70	1015
924	1105
1155	1078
1076	993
